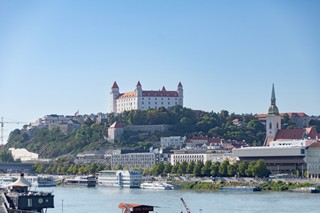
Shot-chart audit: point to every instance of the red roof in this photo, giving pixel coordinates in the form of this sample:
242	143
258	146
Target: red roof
295	134
290	114
127	95
115	85
133	205
160	93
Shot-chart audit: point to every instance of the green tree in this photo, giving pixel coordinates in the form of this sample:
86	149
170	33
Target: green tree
5	156
167	168
243	166
215	169
223	168
231	170
197	168
182	168
206	169
260	169
190	167
249	170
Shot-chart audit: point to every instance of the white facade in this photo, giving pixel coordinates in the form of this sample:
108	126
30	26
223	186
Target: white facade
188	157
289	143
144	99
120	178
134	160
23	154
174	141
313	160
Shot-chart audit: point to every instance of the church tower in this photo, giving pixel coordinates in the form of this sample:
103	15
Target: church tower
273	119
113	97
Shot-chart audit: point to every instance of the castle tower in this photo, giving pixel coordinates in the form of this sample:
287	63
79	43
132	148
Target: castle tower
113	97
273	119
138	90
180	93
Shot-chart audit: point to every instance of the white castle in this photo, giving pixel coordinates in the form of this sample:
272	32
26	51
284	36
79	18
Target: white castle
144	99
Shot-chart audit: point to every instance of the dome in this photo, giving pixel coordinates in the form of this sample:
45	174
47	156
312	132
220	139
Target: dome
273	109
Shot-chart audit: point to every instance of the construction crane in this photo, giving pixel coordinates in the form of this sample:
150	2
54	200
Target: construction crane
185	205
7	122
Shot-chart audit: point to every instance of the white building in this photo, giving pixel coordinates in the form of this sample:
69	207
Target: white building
144	99
313	160
173	141
120	178
115	131
134	160
23	155
188	157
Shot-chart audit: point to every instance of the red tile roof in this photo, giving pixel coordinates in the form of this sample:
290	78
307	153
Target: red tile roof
294	134
127	95
290	114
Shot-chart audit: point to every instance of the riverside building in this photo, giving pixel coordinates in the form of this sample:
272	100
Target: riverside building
144	99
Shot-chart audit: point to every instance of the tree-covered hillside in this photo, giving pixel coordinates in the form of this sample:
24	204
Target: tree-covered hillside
186	122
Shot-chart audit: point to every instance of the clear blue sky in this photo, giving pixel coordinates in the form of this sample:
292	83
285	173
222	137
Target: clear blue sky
60	56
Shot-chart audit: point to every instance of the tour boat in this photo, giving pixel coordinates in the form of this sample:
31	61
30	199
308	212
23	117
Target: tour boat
88	181
156	186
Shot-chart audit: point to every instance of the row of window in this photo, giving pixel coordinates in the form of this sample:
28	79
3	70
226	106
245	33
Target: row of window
156	99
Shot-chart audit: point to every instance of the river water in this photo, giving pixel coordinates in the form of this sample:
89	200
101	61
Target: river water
101	199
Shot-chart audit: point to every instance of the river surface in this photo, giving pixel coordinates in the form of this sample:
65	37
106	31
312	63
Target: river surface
100	199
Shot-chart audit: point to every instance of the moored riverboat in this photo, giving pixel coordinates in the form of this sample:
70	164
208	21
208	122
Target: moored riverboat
305	190
156	186
18	198
87	181
119	178
240	188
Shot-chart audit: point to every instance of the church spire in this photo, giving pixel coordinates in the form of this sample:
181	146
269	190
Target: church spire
273	96
273	109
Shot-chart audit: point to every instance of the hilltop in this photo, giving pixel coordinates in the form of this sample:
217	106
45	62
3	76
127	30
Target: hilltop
50	143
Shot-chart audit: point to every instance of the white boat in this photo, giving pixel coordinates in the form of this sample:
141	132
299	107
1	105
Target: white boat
120	178
6	180
41	181
88	181
156	186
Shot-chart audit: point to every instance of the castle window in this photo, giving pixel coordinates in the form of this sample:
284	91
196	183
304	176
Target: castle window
277	125
270	125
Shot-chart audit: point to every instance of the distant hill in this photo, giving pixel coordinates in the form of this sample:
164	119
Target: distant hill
186	122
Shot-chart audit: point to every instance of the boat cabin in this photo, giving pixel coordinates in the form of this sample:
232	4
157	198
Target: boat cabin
18	198
135	208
